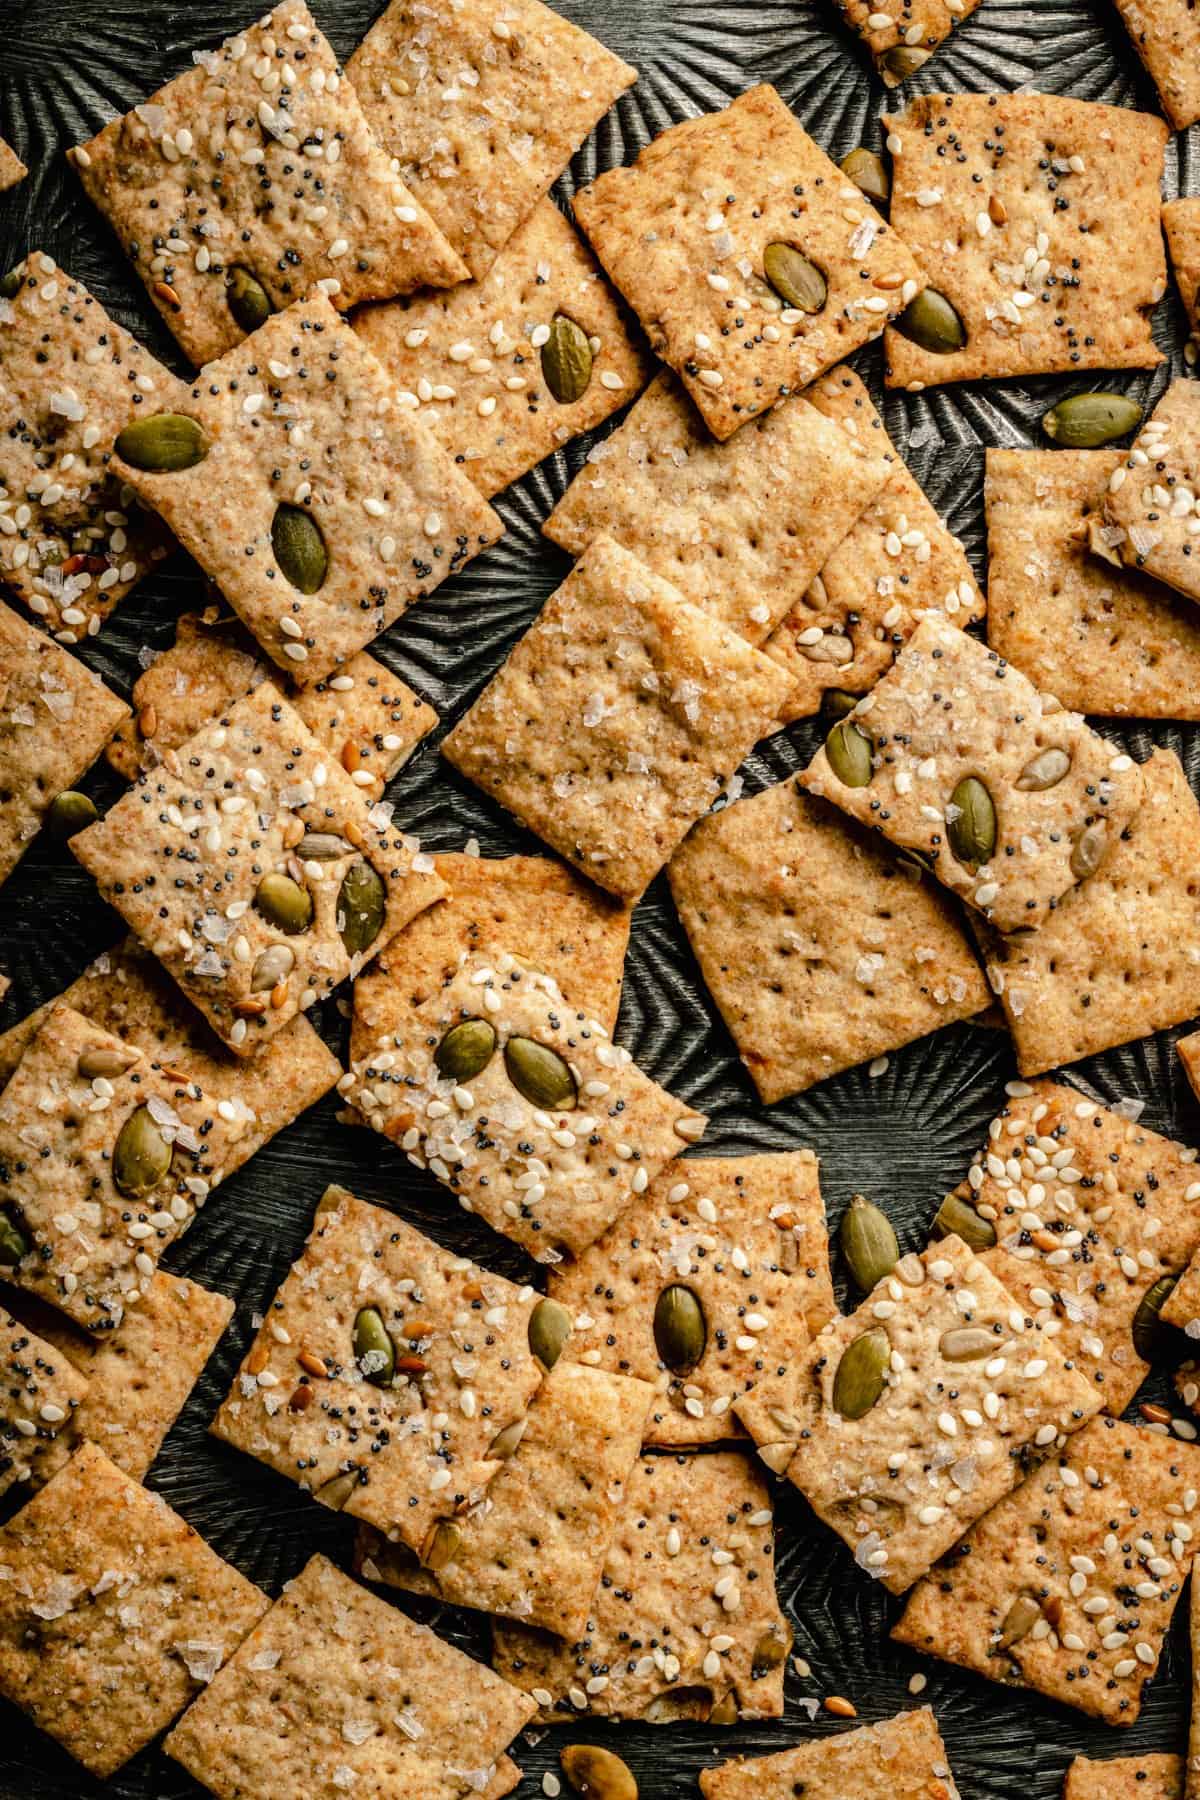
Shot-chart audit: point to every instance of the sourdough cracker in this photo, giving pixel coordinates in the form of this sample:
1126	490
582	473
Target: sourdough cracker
1157	1777
1181	225
12	169
902	41
899	1759
1166	36
1151	522
41	1393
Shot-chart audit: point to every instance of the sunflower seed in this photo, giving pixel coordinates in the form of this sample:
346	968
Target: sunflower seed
1045	771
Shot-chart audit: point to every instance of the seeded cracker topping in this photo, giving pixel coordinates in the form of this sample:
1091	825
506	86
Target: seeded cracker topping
901	1759
1157	1777
902	37
1151	506
40	1393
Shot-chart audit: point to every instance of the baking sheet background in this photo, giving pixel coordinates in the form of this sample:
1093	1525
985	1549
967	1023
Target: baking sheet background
65	68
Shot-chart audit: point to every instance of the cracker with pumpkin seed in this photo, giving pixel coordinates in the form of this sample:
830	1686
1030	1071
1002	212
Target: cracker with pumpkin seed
1166	35
899	1759
752	262
532	1548
384	1372
1158	1777
1037	220
954	755
720	1269
509	368
518	1102
1068	1585
320	508
820	949
903	1422
692	510
616	719
685	1623
902	37
1181	226
1151	518
336	1691
12	169
40	1395
251	866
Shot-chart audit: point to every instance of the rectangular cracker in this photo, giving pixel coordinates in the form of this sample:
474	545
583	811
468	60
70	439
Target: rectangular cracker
899	1759
73	540
473	362
979	181
237	804
1157	1777
1105	640
902	41
820	950
41	1393
897	560
483	109
549	1133
1181	226
304	416
113	1612
399	1456
1106	1509
55	717
1120	957
12	169
950	711
616	719
684	230
746	1236
1150	506
533	1547
259	160
973	1390
1166	35
336	1690
692	510
673	1634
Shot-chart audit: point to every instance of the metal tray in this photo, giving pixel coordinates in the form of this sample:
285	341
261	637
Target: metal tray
905	1138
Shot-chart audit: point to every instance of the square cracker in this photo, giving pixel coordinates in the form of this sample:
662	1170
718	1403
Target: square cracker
399	1455
902	41
1105	640
683	233
303	416
41	1393
1120	957
899	1759
819	948
258	160
113	1612
55	717
12	169
483	109
897	560
693	510
335	1690
616	719
950	710
474	360
980	181
1181	224
746	1235
673	1634
72	539
533	1547
1158	1777
236	805
551	1131
1166	35
1150	506
1008	1602
973	1390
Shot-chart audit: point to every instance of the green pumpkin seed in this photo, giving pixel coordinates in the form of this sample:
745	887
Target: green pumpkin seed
162	444
849	753
868	1243
362	902
106	1062
903	60
930	322
1019	1620
967	1343
10	284
598	1773
1045	771
837	702
859	1380
505	1442
70	812
299	547
972	832
247	299
141	1155
770	1651
1091	847
725	1712
680	1332
1147	1324
549	1328
271	966
797	281
322	846
867	171
1085	421
567	360
284	904
442	1544
540	1075
957	1218
13	1243
466	1050
374	1351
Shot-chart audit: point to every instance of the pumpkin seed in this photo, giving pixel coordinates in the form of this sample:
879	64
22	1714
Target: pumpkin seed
1019	1620
106	1062
141	1155
836	702
284	904
930	322
70	812
967	1343
247	299
540	1075
374	1351
505	1442
680	1332
1147	1324
797	281
162	444
866	171
957	1218
1085	421
903	60
1045	771
567	360
13	1242
299	547
362	902
549	1329
868	1243
441	1546
972	831
322	846
849	754
466	1050
859	1380
598	1773
1091	847
725	1712
770	1650
10	284
271	966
